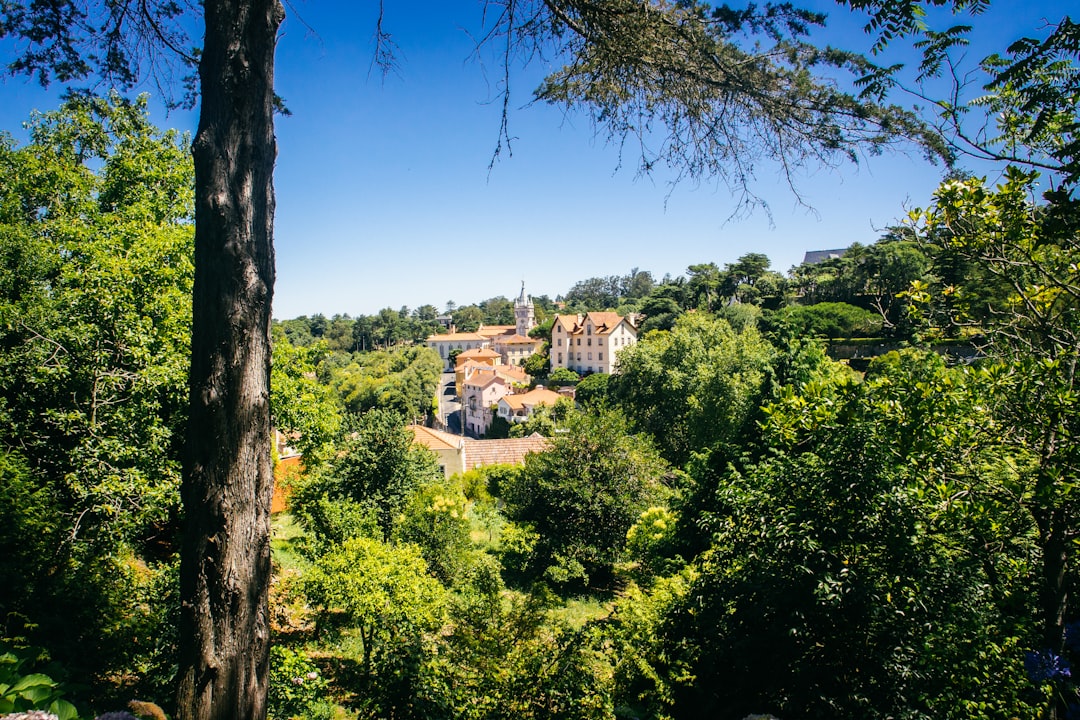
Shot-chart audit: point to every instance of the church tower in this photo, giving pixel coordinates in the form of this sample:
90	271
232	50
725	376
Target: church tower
524	314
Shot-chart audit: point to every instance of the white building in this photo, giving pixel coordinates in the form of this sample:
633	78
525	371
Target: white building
444	344
591	342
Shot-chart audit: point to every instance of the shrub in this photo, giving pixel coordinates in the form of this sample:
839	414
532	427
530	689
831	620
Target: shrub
296	686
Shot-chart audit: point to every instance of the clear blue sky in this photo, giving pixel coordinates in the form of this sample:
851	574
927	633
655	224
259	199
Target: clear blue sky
384	195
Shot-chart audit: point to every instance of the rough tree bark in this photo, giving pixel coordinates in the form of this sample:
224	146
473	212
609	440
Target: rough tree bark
225	567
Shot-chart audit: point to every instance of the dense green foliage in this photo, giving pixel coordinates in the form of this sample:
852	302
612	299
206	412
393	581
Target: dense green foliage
95	241
579	498
732	525
377	467
403	380
853	571
828	320
695	386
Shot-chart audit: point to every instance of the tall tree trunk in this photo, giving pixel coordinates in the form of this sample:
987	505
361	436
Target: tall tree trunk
228	476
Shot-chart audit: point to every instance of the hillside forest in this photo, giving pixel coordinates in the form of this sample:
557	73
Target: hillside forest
735	523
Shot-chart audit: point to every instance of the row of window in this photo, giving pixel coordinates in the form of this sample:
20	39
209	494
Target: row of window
599	356
588	341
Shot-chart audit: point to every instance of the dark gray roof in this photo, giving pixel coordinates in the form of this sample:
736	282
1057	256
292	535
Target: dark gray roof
813	257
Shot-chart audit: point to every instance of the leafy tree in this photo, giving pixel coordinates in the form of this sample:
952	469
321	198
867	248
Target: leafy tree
741	316
594	294
297	331
468	318
95	309
885	580
583	494
668	63
1034	335
497	311
748	280
436	519
831	280
498	429
403	379
296	686
662	307
563	376
545	419
828	320
300	402
509	655
703	286
592	391
695	386
538	364
96	276
888	268
637	65
651	544
384	591
339	333
377	466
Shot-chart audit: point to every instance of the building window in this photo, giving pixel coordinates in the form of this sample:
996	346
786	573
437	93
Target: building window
590	356
588	329
560	358
579	357
600	356
579	341
589	341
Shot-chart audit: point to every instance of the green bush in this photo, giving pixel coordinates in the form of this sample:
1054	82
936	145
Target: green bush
296	686
829	320
33	691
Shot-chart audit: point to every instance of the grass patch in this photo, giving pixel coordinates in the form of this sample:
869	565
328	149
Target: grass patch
285	533
580	610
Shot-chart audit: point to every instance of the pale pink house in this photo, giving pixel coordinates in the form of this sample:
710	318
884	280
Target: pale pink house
482	391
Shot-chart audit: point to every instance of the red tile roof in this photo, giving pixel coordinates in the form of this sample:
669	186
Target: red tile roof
511	451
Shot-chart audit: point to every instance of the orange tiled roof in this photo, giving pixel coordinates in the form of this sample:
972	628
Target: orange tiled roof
478	353
510	451
481	379
434	439
513	372
457	337
539	396
490	331
567	322
515	339
603	322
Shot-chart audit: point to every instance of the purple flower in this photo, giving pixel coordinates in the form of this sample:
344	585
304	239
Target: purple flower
1044	665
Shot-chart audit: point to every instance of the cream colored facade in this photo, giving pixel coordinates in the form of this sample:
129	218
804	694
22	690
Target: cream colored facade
516	349
450	449
591	342
444	344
